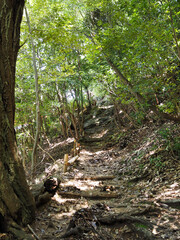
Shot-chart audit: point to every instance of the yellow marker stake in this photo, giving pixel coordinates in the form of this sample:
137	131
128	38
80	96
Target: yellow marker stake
74	147
65	162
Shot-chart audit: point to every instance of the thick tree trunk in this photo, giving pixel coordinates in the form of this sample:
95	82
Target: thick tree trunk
16	201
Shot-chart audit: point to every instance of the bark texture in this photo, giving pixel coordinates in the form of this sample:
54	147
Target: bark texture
16	200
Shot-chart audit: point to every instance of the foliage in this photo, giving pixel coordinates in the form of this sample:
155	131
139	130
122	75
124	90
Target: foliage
127	50
170	142
157	162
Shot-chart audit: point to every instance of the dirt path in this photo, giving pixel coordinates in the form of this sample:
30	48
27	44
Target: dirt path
133	202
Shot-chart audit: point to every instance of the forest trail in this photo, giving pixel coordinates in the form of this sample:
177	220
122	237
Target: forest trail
113	191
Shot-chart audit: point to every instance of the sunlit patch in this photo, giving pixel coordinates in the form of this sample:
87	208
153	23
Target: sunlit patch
174	185
39	180
83	151
99	152
82	185
170	192
79	174
99	135
60	200
54	167
65	142
154	231
62	215
106	107
71	211
70	208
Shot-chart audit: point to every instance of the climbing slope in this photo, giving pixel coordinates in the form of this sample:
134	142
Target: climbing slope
114	190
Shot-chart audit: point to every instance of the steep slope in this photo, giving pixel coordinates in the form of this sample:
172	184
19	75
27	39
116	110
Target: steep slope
124	185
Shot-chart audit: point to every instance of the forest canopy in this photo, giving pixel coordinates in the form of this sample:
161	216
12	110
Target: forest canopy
96	81
126	51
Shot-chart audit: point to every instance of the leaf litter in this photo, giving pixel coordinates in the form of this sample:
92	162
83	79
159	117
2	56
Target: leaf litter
139	200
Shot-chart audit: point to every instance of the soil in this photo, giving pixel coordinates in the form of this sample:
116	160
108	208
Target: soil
124	185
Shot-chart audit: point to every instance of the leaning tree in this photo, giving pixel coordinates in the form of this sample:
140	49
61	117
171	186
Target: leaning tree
16	202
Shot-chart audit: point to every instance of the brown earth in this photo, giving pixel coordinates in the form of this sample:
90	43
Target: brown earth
124	185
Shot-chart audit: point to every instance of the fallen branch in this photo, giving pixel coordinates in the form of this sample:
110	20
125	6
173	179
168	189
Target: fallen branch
35	235
97	178
42	148
112	219
75	231
174	203
138	225
18	232
89	195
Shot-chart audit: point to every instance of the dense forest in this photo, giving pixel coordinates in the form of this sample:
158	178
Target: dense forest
89	119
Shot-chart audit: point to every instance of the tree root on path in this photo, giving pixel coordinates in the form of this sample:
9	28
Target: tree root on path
18	232
139	225
90	220
90	195
112	219
75	231
97	178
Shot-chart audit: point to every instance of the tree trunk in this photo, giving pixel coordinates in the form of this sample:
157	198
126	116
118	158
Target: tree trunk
88	97
38	125
16	201
62	113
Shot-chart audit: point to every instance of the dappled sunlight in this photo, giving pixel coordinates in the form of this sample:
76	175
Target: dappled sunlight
56	166
38	180
59	199
106	107
82	185
119	176
145	146
79	190
97	120
99	135
170	192
155	231
89	153
100	152
62	200
70	212
67	214
67	207
164	221
86	152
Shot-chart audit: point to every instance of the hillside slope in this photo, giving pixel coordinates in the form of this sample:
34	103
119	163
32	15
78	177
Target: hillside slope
124	185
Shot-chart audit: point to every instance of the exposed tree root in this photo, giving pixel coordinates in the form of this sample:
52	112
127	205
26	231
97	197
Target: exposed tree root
18	232
75	231
97	178
112	219
90	219
89	195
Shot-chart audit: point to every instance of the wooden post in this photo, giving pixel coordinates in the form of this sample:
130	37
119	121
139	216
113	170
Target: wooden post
74	149
65	162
